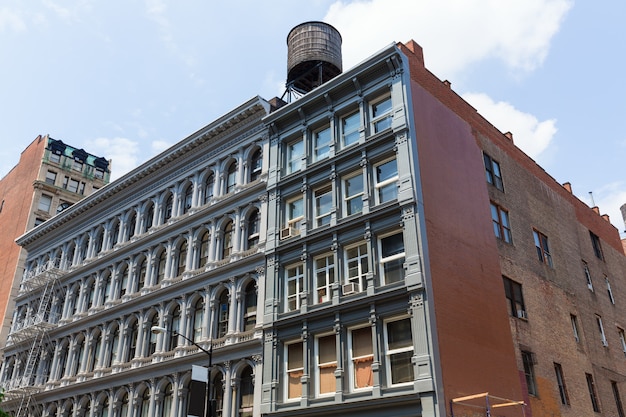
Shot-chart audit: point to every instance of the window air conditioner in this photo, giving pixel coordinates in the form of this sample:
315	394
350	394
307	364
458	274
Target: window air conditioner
350	288
285	233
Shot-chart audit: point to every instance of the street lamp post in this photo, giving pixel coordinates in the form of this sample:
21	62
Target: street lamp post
208	407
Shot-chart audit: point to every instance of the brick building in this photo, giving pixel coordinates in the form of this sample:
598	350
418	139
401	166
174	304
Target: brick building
49	177
404	256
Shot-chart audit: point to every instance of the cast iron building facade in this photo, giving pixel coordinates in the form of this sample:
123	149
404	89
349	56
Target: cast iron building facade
374	247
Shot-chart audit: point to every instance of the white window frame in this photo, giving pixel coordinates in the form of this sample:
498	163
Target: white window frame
44	197
294	274
359	280
293	219
319	365
608	289
347	198
322	218
574	321
354	133
588	276
392	182
321	149
391	258
622	339
294	160
605	343
352	359
403	349
289	370
328	273
381	121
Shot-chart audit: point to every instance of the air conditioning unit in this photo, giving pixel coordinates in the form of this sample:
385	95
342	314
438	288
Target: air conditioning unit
522	314
350	288
285	233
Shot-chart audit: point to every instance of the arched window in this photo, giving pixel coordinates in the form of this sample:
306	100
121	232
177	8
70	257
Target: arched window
124	406
123	280
246	393
149	217
90	292
182	259
204	249
253	230
104	411
106	288
167	208
78	360
188	198
198	320
217	386
160	266
151	336
144	404
231	178
69	259
99	237
250	305
94	355
115	233
130	228
115	343
82	254
132	342
256	165
166	405
222	315
227	243
174	328
208	188
141	273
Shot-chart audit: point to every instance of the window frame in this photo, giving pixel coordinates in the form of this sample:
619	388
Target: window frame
319	365
322	218
501	223
353	359
609	290
324	133
294	153
361	258
560	382
587	276
294	216
574	321
51	177
42	198
493	172
528	364
622	339
543	248
596	245
391	259
327	273
515	297
357	196
390	183
293	369
382	121
389	352
593	395
293	293
353	133
603	338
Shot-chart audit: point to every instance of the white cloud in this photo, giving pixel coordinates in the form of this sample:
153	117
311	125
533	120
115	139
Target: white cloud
123	152
454	34
159	146
609	198
529	134
11	20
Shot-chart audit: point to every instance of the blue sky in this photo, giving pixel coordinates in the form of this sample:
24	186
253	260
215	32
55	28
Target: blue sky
127	79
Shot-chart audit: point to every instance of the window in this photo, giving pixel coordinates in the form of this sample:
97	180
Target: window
77	165
182	259
152	337
141	274
222	315
130	227
115	233
72	185
208	188
115	342
529	371
295	152
231	178
321	139
323	205
188	198
618	399
144	403
356	269
353	194
253	230
294	277
227	244
386	181
587	276
51	177
45	201
592	393
123	280
513	292
350	129
134	335
166	403
295	215
622	339
167	209
595	242
361	357
249	312
560	381
392	258
381	114
608	289
99	173
295	369
174	328
492	171
204	249
246	393
326	364
81	188
149	216
55	157
501	225
198	320
399	341
574	321
543	250
160	266
256	165
324	271
601	330
217	386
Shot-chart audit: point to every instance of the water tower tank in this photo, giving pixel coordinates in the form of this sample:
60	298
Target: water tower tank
313	55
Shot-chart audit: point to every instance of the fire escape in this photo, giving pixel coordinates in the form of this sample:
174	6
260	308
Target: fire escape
30	336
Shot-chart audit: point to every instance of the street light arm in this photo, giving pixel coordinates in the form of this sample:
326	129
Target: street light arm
208	352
